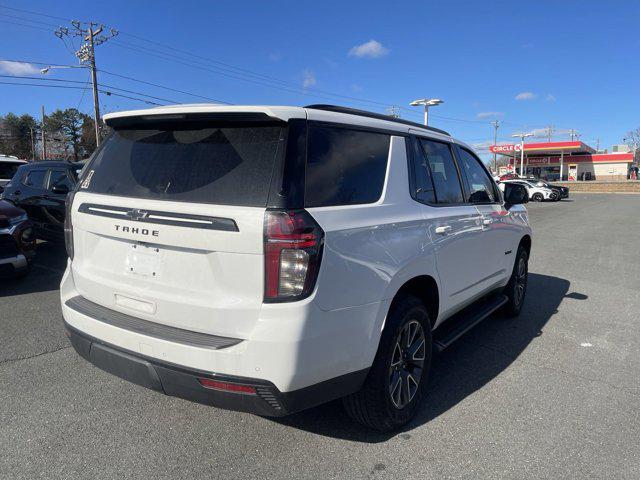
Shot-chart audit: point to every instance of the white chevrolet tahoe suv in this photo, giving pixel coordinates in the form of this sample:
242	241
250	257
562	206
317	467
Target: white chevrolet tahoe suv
269	259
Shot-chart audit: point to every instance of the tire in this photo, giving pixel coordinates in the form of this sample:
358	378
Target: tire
537	197
382	403
516	289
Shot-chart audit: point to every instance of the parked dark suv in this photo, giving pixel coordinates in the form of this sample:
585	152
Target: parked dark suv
17	243
40	188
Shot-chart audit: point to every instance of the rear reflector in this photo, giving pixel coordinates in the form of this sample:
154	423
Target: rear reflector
227	387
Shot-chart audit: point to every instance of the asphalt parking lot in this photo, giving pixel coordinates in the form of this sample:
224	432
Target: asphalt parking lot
552	394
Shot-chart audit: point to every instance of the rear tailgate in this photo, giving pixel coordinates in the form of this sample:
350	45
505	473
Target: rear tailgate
168	223
199	277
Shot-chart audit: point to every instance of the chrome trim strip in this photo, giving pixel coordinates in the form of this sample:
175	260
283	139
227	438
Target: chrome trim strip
160	218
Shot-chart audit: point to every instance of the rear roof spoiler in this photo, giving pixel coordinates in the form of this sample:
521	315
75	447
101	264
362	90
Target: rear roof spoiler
151	120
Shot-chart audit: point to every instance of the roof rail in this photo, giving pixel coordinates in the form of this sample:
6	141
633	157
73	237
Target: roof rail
379	116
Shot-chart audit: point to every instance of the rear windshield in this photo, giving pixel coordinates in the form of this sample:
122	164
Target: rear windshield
8	169
222	165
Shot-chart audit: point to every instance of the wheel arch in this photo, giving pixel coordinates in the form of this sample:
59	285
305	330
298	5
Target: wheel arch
425	288
525	242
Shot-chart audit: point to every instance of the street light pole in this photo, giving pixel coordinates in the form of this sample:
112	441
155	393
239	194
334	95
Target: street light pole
496	125
522	136
427	102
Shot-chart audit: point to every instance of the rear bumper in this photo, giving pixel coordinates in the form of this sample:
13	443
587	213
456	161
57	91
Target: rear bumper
182	382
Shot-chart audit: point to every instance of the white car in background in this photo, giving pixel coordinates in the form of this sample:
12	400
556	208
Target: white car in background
8	167
536	193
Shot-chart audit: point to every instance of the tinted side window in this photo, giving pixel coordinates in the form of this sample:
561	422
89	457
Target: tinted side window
480	185
424	191
35	178
344	167
443	171
59	177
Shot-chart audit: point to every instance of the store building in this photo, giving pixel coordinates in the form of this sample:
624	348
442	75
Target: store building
566	161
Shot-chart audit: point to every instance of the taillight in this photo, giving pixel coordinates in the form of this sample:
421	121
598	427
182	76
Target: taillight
292	252
68	225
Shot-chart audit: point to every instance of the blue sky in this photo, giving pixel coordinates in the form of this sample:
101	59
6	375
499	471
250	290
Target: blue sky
570	64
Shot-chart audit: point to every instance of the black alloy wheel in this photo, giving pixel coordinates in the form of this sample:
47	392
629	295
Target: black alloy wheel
407	362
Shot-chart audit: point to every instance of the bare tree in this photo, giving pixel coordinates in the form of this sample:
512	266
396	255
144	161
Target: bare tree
632	139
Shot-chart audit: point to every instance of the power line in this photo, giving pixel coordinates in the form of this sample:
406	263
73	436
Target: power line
84	90
24	25
237	73
106	92
27	19
257	78
192	64
35	13
126	77
164	87
60	80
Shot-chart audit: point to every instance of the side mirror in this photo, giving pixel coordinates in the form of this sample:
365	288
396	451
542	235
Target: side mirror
60	189
514	194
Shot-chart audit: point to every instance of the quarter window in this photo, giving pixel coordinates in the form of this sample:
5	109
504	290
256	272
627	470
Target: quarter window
35	178
58	178
480	185
344	167
444	173
424	191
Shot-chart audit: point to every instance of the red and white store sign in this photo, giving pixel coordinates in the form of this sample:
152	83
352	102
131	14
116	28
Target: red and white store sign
504	148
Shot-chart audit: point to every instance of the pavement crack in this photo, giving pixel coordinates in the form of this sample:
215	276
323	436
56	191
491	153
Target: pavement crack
12	360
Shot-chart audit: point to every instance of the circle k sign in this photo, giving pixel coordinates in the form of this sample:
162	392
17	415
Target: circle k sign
504	148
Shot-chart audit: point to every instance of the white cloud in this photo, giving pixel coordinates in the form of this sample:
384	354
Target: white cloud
482	146
18	68
550	98
356	88
483	115
370	49
331	63
309	79
526	96
275	56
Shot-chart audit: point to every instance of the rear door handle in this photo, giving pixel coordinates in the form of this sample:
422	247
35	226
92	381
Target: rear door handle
443	230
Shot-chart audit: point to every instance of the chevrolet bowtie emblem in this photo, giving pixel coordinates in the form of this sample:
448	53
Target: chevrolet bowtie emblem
137	214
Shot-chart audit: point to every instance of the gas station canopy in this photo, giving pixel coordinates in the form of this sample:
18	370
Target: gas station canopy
565	161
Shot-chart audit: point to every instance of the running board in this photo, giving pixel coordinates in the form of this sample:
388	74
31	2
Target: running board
463	321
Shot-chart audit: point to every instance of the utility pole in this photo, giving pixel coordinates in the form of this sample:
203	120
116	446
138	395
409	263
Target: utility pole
496	125
597	145
33	144
94	81
549	132
572	134
87	56
44	141
393	111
